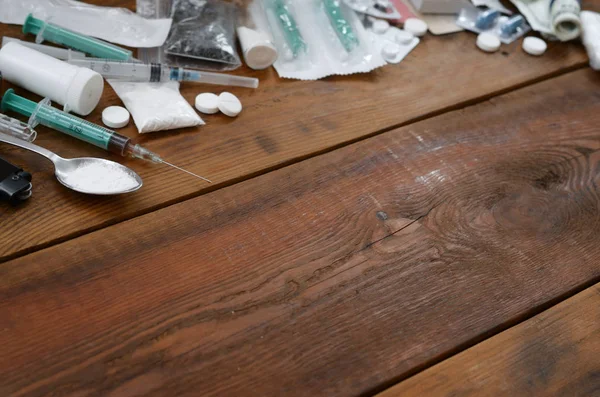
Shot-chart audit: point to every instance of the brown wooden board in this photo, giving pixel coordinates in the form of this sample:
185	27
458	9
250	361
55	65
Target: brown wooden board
552	354
283	122
335	276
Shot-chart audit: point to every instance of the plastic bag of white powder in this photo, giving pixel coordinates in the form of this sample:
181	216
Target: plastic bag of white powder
156	106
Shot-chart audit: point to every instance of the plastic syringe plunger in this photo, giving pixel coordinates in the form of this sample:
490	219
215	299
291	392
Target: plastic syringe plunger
17	128
45	30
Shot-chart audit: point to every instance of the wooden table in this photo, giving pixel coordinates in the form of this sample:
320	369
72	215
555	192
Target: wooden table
430	228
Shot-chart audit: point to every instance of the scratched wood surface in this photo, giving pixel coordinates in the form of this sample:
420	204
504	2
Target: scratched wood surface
340	275
283	122
552	354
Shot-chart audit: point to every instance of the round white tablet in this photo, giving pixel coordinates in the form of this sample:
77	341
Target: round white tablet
534	46
390	50
488	42
380	26
403	37
229	104
115	117
207	103
415	26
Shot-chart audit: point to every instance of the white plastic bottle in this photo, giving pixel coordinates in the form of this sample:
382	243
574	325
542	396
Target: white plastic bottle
77	89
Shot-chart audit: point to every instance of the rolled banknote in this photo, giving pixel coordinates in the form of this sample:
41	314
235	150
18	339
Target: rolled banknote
557	19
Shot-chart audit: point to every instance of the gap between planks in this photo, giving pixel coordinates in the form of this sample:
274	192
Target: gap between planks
295	160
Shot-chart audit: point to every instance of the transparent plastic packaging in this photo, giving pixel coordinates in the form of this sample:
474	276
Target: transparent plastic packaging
375	8
156	106
507	29
160	9
203	29
117	25
316	38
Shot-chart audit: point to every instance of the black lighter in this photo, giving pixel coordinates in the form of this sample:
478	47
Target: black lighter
15	184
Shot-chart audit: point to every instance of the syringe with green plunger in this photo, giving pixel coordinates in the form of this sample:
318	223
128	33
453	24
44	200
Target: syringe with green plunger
45	30
43	113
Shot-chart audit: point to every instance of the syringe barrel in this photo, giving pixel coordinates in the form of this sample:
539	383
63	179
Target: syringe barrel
69	124
227	79
77	41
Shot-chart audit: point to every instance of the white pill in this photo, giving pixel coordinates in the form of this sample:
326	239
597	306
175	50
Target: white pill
207	103
390	50
534	46
403	37
115	117
229	104
380	26
488	42
415	26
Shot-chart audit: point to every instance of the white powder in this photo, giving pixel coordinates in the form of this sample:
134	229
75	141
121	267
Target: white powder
156	106
100	177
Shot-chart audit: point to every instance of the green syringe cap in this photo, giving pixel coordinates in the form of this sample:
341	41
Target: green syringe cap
32	25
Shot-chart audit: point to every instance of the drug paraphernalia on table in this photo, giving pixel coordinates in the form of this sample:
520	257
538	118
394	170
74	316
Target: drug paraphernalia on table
87	174
554	18
156	106
117	25
43	113
318	39
204	30
55	52
591	36
396	44
45	30
156	72
77	89
507	29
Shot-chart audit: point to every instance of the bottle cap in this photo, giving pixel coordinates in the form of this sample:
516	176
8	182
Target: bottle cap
259	52
84	92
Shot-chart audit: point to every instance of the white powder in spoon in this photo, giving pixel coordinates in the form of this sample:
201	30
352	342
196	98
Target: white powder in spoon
100	177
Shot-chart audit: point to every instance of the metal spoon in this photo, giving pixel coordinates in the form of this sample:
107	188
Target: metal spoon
65	169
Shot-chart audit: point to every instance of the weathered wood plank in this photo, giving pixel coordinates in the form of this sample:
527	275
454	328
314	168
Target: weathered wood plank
283	122
552	354
330	277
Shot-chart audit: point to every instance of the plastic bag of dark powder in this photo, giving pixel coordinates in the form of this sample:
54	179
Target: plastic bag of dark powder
203	29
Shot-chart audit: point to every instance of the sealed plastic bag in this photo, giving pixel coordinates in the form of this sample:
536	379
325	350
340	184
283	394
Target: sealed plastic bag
174	54
156	106
117	25
316	38
203	29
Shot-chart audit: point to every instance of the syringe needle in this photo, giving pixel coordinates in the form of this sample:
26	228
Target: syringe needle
191	173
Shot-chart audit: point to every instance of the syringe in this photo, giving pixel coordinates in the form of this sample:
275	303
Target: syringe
43	113
45	30
155	72
16	128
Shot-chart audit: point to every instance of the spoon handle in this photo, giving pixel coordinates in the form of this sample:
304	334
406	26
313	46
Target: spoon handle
29	146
